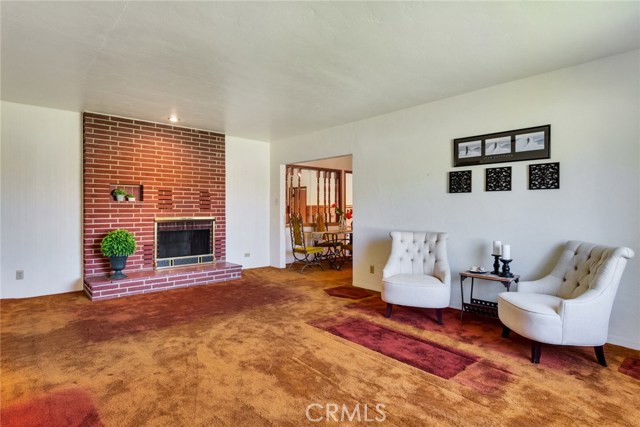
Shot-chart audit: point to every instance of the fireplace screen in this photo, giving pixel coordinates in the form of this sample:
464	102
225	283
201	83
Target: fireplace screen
184	241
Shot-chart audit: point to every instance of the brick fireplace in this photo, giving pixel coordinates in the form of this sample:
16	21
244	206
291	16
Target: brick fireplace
173	172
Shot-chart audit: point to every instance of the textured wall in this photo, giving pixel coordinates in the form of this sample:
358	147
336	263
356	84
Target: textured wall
41	198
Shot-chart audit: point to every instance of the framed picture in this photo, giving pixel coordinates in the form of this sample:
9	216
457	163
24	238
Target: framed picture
510	146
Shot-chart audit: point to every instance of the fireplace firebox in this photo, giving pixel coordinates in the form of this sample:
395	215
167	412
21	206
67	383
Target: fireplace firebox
184	241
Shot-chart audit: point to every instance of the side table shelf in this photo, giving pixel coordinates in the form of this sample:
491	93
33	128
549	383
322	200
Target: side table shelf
478	306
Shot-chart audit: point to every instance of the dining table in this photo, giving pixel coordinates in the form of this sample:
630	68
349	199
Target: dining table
338	255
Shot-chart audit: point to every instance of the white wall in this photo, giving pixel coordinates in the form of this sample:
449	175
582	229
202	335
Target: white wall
247	202
344	163
401	163
41	171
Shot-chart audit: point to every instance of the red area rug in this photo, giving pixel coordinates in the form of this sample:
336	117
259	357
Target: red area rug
429	356
60	409
631	367
484	332
350	292
426	355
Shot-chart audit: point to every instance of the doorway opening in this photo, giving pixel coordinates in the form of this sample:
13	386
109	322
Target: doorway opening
321	192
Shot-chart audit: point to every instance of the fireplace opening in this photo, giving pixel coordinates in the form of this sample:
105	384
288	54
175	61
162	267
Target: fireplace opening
184	241
173	244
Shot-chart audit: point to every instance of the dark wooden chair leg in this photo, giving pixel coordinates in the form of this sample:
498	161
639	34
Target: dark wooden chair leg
536	350
505	332
439	316
600	355
387	313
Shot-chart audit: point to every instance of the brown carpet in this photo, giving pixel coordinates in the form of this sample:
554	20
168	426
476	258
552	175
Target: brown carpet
245	353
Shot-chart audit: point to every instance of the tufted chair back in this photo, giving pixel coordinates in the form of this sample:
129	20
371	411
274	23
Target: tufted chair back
418	252
584	266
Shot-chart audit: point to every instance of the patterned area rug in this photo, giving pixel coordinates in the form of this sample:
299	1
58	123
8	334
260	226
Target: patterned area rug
350	292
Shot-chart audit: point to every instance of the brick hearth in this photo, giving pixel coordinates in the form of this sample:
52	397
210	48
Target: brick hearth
101	287
174	172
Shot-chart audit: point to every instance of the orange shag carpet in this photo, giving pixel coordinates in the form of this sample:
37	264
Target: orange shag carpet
274	349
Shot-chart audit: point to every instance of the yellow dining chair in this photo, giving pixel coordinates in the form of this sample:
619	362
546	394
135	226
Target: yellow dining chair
308	255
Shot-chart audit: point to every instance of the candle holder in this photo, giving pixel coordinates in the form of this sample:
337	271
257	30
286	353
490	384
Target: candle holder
506	272
496	264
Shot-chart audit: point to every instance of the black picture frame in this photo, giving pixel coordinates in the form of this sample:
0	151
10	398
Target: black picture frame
511	146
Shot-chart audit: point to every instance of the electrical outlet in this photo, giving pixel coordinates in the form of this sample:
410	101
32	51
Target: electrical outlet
19	274
371	269
247	254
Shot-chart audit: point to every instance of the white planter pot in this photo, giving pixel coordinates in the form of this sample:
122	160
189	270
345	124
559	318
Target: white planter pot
120	198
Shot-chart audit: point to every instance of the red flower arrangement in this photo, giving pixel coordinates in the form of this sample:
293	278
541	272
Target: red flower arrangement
348	214
338	210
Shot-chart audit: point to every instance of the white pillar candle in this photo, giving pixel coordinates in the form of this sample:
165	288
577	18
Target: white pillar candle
497	247
506	251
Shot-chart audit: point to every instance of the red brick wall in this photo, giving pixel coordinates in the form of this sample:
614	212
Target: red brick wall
181	171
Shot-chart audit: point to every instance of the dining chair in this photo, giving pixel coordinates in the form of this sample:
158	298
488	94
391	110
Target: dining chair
302	253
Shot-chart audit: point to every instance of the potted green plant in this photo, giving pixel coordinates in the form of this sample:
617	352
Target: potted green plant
118	245
131	197
119	194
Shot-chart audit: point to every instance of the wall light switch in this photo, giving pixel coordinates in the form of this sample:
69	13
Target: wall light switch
19	274
371	269
247	254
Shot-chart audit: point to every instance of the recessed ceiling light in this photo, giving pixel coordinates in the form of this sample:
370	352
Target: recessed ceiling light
173	118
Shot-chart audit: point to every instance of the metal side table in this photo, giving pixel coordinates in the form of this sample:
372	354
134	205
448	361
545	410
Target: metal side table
478	306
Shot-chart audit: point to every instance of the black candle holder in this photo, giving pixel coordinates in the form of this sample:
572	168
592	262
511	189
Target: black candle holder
506	272
496	264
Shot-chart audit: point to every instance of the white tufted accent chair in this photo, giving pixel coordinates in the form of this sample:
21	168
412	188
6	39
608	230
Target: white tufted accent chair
570	306
417	273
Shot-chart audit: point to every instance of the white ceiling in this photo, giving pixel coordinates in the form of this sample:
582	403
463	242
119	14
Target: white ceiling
270	70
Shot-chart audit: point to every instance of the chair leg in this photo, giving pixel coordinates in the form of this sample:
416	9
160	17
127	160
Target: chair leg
505	332
600	355
387	313
536	350
439	316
